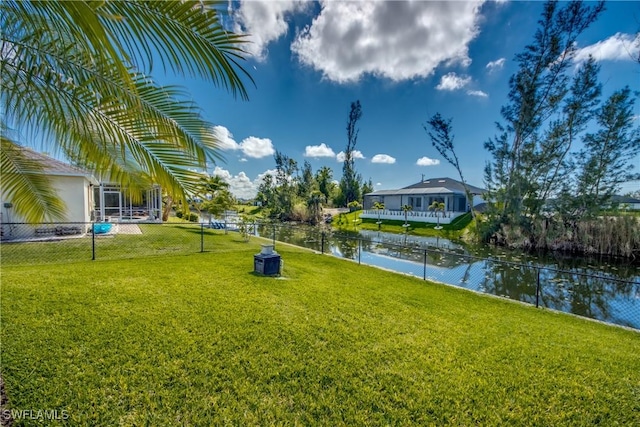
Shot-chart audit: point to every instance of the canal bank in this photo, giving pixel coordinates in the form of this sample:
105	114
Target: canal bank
603	291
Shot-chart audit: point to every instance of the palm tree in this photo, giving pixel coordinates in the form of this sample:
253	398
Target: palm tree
323	178
379	207
437	207
314	205
213	191
406	209
76	74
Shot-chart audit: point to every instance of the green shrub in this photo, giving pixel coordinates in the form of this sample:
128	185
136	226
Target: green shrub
179	214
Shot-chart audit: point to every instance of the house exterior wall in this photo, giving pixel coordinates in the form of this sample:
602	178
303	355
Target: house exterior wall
393	202
75	192
77	195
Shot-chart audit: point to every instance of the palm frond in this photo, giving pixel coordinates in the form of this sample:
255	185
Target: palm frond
20	172
75	73
187	36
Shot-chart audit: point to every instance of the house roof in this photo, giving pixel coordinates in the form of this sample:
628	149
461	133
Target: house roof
624	199
431	186
53	166
450	184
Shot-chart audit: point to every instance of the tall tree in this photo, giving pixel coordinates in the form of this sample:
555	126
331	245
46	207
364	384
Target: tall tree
314	205
536	93
78	75
306	182
324	177
350	182
441	134
284	191
367	187
604	161
266	192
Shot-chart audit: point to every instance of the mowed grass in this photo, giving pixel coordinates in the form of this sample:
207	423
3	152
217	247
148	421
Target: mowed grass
198	340
352	221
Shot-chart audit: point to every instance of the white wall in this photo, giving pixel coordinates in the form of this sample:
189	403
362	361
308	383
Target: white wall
76	194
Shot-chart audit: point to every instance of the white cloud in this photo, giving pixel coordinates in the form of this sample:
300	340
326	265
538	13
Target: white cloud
378	184
260	177
251	147
496	65
426	161
318	151
257	147
452	81
478	93
355	154
383	158
240	185
264	22
225	138
619	47
391	39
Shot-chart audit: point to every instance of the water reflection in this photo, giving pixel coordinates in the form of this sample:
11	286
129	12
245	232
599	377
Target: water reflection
613	296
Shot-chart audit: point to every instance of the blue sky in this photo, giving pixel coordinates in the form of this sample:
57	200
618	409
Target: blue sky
404	61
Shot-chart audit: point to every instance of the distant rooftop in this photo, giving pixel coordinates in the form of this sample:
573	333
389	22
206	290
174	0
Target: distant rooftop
432	186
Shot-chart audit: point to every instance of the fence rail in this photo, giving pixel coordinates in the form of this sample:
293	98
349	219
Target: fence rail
613	298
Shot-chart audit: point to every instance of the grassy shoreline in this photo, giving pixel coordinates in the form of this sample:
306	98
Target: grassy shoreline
458	229
199	340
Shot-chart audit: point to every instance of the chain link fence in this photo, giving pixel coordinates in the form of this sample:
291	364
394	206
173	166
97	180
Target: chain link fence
612	296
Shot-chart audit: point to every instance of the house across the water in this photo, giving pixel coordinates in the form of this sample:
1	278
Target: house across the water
420	196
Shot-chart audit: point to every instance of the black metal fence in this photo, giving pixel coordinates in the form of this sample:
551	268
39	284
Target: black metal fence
611	295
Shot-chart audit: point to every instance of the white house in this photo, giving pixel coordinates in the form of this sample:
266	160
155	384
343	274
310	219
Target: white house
73	185
420	196
86	200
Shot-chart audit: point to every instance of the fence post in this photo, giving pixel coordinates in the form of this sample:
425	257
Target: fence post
359	249
538	287
322	245
202	237
93	241
424	265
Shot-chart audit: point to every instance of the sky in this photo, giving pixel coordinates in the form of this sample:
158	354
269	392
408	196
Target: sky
404	61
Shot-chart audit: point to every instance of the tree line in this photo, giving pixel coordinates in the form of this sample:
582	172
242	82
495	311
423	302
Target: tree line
298	194
561	150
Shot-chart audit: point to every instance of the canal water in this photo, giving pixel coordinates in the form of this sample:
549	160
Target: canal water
596	289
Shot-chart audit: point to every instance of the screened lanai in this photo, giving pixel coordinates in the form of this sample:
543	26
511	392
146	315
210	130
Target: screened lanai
114	203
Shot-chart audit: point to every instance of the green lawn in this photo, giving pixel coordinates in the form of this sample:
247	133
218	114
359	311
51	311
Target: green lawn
197	339
457	229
